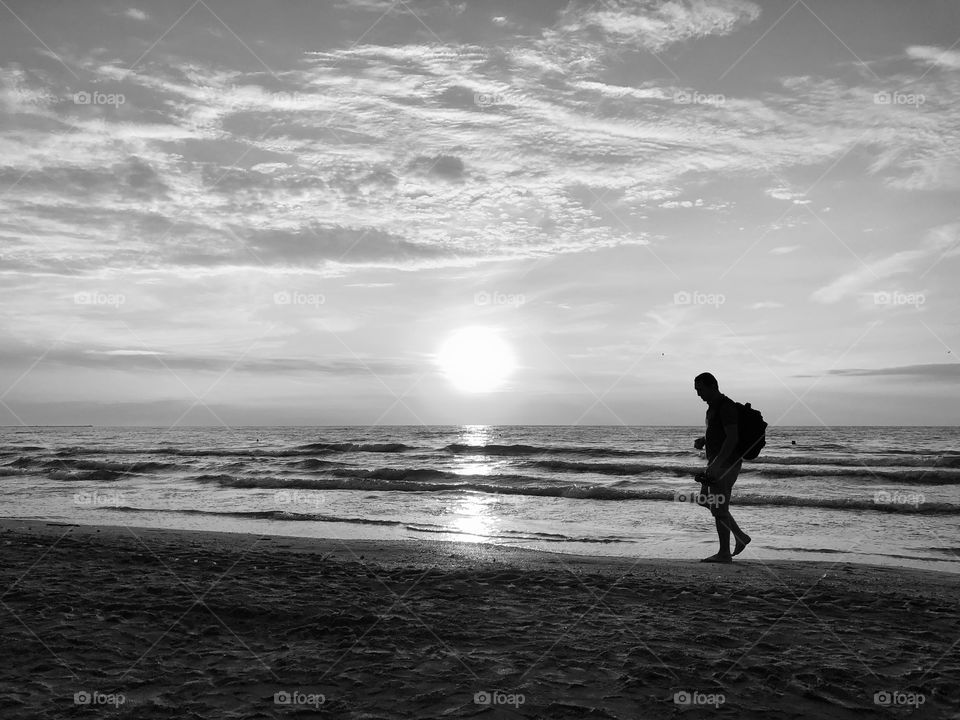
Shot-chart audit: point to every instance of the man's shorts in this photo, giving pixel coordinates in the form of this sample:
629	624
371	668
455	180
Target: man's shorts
722	488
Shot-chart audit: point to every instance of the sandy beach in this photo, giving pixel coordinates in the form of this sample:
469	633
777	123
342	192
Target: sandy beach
151	623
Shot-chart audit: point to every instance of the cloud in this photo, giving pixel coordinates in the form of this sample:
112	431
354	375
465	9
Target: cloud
390	140
929	370
378	6
852	282
343	244
130	13
935	56
945	242
444	166
127	352
938	242
126	359
764	304
656	25
672	204
783	193
903	121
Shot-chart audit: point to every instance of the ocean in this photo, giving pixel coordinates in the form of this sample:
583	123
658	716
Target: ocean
879	495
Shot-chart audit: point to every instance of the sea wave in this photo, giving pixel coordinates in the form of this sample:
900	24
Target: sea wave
614	468
260	515
135	468
385	473
355	447
315	464
916	459
898	503
521	535
101	475
521	449
886	474
316	448
504	534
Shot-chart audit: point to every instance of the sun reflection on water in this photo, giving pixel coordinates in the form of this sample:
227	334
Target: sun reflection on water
475	435
472	514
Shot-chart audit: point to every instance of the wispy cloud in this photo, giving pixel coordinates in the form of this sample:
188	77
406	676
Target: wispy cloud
459	148
932	55
133	359
930	370
649	25
936	242
783	193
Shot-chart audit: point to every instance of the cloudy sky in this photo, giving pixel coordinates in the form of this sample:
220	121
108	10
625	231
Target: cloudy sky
243	212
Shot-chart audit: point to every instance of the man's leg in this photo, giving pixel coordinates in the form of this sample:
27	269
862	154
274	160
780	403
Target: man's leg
719	498
739	535
723	520
726	519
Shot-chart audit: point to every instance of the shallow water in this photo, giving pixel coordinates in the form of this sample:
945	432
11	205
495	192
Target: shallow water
888	496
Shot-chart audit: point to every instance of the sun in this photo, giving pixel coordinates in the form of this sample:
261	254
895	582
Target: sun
476	359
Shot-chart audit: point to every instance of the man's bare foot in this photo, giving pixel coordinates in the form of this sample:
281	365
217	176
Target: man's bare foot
718	558
740	546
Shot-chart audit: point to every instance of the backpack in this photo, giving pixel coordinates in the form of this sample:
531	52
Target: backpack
751	430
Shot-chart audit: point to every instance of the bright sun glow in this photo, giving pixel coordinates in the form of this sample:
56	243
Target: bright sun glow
476	359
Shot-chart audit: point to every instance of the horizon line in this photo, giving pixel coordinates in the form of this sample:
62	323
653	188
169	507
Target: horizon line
506	425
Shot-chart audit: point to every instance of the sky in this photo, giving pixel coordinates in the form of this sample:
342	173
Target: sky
226	212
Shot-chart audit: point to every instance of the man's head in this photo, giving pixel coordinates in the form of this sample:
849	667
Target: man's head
707	387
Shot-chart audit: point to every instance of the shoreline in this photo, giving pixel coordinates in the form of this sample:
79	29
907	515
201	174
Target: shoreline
180	623
452	555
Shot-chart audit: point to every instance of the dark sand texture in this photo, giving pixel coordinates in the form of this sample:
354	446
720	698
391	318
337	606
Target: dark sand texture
213	625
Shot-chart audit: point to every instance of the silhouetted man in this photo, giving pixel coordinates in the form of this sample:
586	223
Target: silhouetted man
723	463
